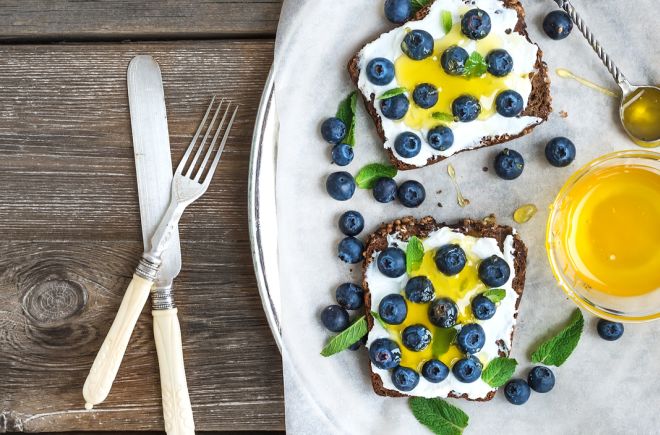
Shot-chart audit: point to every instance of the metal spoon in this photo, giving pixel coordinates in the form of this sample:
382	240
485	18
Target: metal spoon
640	104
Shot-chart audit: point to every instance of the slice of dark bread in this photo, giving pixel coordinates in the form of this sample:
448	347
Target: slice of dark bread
538	104
409	226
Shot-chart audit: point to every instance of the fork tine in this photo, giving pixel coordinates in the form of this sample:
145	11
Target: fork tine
216	160
210	150
184	159
209	129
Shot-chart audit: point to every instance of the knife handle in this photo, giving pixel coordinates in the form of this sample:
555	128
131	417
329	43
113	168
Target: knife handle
177	410
105	367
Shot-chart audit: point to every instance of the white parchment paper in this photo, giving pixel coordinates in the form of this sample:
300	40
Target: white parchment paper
604	388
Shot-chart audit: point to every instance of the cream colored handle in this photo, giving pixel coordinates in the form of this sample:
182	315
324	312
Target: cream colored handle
177	410
105	367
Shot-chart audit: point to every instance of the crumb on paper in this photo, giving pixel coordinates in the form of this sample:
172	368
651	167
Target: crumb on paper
490	219
440	204
563	114
466	202
439	192
485	169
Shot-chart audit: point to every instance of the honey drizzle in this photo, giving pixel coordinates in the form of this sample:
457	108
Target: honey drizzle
566	74
460	199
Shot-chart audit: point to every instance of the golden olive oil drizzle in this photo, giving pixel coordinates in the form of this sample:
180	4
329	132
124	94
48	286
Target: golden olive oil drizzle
460	199
566	74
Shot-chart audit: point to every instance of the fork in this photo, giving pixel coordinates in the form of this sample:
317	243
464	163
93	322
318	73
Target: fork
186	188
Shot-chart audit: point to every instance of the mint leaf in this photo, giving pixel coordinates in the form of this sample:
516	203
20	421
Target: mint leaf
392	93
495	294
442	116
347	337
346	112
439	416
442	339
447	23
376	316
498	371
419	4
414	254
475	66
555	351
368	175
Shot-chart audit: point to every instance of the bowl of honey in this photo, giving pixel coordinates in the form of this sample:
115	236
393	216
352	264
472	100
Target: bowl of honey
603	236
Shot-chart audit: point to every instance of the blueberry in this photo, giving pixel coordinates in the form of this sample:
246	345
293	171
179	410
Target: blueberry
471	338
351	223
333	130
466	108
342	154
608	330
509	164
407	144
541	379
500	62
398	11
393	309
450	259
418	44
340	185
420	289
483	308
441	138
494	271
517	391
467	369
380	71
416	337
384	190
384	353
335	318
453	60
475	24
350	250
557	25
435	371
560	152
392	262
404	379
509	103
350	296
358	344
394	107
443	312
425	95
411	193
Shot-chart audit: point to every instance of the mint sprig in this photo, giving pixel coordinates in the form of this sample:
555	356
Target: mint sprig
475	66
392	93
347	337
367	176
556	350
346	112
495	294
442	339
498	371
439	416
445	17
419	4
414	254
442	116
376	316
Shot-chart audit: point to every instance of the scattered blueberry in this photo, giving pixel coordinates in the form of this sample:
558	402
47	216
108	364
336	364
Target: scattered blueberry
351	223
393	309
420	289
450	259
494	271
500	62
435	371
333	130
483	308
517	391
395	107
407	144
335	318
380	71
350	296
471	338
398	11
358	344
342	154
384	190
411	193
441	138
475	24
404	378
608	330
541	379
350	250
467	369
392	262
385	353
509	103
557	25
560	152
443	313
509	164
340	185
466	108
416	337
417	44
425	95
453	60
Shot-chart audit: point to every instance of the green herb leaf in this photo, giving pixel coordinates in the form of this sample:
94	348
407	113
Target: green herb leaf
347	337
442	339
368	175
447	23
439	416
346	112
495	294
475	66
419	4
555	351
376	316
414	254
498	371
392	93
442	116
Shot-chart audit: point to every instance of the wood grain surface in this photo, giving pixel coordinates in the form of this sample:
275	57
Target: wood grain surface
70	237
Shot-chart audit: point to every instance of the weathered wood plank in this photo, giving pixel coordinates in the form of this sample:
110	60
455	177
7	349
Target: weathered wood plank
71	20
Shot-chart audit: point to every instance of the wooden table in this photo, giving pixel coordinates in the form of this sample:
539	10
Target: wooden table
69	217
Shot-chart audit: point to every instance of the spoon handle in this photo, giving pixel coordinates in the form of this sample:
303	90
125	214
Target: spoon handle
580	24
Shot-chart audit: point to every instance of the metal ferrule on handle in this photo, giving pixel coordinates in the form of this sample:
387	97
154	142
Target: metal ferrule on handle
162	298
